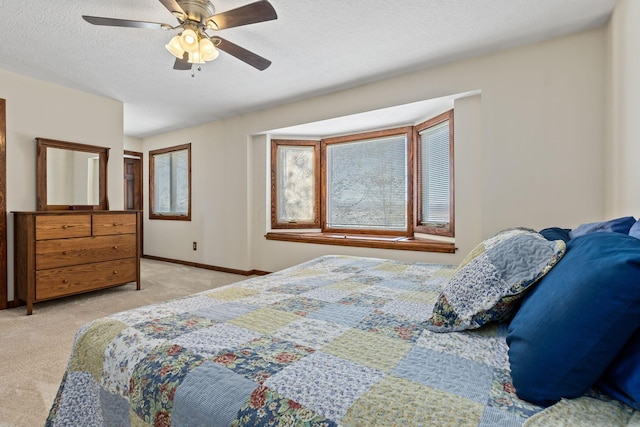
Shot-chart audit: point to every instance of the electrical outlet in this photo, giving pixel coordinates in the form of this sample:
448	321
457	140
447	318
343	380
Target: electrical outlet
195	246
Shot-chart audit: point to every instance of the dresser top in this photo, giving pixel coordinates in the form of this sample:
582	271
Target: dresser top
73	212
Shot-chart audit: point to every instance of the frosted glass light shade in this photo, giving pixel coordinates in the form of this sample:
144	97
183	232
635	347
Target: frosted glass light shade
175	48
195	58
208	51
189	40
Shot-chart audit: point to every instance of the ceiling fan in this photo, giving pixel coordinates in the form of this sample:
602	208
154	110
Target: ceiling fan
195	17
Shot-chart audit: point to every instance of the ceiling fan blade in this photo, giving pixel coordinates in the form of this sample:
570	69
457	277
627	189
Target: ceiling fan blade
114	22
182	64
243	54
173	7
252	13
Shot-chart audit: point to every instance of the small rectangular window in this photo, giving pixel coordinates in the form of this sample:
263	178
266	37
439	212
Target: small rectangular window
295	173
170	183
435	175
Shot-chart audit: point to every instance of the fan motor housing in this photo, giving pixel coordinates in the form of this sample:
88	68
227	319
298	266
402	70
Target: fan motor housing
197	10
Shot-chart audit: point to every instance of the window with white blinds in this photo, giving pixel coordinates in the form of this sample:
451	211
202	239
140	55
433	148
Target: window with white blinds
366	184
435	175
170	179
434	164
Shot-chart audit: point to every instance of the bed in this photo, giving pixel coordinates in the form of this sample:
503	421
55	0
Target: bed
335	341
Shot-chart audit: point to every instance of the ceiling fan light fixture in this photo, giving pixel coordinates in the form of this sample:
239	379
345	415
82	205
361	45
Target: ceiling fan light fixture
208	51
192	44
175	48
195	58
189	40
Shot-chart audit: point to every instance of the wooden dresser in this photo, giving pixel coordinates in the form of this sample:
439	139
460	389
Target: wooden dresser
62	253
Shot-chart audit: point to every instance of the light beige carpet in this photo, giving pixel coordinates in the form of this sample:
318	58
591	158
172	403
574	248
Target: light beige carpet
34	350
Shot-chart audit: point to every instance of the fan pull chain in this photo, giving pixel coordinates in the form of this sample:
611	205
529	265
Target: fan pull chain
193	73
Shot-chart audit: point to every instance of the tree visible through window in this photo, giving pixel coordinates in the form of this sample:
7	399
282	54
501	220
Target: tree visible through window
170	183
296	184
367	184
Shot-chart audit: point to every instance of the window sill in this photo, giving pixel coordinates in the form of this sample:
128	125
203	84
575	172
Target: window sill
366	241
170	217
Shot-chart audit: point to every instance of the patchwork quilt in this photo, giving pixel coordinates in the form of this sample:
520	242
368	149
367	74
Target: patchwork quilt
336	341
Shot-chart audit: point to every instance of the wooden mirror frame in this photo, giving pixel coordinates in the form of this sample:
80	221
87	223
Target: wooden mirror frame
41	170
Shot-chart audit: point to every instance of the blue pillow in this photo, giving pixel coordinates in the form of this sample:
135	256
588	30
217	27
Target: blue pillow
622	378
618	225
574	322
634	231
556	233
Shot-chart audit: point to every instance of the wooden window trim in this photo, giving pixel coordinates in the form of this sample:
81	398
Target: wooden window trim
407	131
275	143
153	153
365	241
418	227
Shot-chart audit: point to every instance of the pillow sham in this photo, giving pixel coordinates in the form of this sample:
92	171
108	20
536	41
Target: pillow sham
618	225
492	278
622	378
570	327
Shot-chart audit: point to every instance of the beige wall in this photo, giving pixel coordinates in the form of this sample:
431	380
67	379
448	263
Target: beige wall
133	144
623	123
529	152
39	109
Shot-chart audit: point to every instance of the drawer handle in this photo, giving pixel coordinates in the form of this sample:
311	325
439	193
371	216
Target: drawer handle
115	247
64	227
117	225
65	253
115	271
65	281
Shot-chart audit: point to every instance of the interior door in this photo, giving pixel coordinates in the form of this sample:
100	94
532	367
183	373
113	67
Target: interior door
133	184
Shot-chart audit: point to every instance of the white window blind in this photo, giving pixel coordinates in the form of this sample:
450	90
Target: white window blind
171	183
367	184
435	175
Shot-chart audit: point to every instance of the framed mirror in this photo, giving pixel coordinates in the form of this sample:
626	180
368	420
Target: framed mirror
71	175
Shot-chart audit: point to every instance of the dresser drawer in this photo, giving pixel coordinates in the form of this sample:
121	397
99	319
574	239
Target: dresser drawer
114	224
57	282
62	226
83	250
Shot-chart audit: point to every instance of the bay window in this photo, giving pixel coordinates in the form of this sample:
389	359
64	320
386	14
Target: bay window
374	189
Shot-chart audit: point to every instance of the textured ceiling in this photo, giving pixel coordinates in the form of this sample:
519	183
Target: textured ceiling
316	47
